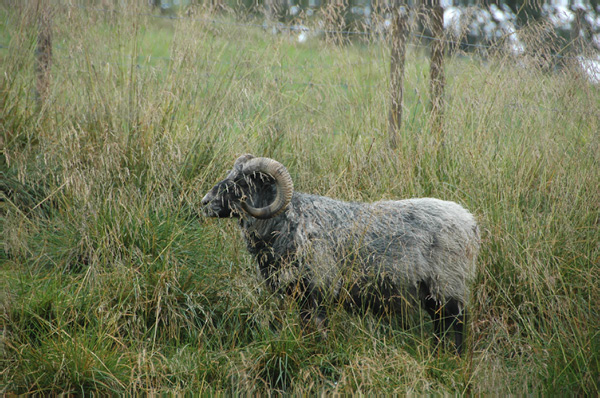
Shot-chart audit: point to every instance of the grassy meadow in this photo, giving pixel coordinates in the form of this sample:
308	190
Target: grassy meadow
112	281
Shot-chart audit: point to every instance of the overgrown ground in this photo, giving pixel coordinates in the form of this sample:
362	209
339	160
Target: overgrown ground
111	281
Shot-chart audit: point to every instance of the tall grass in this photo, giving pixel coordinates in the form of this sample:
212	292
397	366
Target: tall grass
112	281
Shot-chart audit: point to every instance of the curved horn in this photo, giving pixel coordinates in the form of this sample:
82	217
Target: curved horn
283	184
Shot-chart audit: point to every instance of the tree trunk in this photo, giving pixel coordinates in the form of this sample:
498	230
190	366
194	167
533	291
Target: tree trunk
400	30
333	12
43	51
578	32
274	10
436	68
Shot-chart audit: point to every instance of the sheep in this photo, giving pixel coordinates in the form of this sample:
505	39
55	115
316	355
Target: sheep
387	256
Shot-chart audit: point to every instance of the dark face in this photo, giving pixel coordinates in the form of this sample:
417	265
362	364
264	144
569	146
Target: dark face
224	199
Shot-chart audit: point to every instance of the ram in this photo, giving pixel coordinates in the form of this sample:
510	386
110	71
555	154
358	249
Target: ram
388	256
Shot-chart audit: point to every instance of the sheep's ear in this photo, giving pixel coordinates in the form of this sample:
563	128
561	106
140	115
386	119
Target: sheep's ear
239	165
242	160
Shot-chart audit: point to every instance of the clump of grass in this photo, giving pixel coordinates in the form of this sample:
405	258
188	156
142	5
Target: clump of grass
112	281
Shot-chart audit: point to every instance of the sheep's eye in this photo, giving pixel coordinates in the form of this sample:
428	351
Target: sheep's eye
238	190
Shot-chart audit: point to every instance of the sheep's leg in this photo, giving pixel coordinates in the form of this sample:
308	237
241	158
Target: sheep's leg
449	317
459	326
445	317
435	312
314	313
312	310
434	309
456	318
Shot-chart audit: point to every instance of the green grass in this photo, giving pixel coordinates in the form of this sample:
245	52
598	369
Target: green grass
112	281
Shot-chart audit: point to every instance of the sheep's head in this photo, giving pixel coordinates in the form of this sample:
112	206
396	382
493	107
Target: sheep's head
260	187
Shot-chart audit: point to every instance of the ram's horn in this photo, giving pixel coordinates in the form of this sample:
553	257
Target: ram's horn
283	183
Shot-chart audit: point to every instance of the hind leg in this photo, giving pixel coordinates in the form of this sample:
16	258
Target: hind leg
446	317
435	312
455	318
433	309
459	331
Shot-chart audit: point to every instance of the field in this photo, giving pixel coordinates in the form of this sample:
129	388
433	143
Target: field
111	280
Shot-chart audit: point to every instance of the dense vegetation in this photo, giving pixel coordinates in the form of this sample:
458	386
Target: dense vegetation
111	280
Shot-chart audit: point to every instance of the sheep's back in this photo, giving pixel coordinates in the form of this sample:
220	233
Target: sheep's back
434	241
409	241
